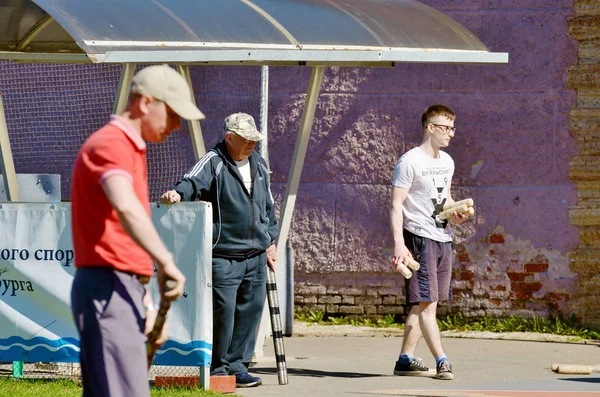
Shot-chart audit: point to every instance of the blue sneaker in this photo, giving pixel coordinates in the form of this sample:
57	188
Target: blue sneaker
244	379
415	368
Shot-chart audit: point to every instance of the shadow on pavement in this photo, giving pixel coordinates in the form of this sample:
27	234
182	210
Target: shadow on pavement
315	373
583	380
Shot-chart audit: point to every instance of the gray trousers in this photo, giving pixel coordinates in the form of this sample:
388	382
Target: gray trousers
109	315
239	291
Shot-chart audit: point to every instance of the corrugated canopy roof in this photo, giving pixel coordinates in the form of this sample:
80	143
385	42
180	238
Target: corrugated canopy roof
323	32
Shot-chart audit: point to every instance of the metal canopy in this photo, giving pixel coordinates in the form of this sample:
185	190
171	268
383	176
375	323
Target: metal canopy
325	32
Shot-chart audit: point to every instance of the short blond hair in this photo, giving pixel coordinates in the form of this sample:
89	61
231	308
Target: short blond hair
435	111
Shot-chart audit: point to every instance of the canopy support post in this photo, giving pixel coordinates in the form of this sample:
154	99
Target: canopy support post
291	190
123	87
289	201
6	159
34	31
264	114
193	125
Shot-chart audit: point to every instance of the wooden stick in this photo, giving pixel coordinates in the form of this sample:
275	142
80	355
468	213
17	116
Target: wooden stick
574	369
468	202
461	208
159	323
401	268
411	264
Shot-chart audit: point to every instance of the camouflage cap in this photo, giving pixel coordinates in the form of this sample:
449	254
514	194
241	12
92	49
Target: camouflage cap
243	125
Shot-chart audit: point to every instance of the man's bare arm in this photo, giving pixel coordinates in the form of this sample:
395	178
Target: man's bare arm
397	224
139	227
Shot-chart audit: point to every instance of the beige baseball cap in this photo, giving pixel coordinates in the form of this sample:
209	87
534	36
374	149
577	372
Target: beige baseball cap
242	124
165	84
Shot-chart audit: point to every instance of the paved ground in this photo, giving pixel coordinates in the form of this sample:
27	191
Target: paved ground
343	360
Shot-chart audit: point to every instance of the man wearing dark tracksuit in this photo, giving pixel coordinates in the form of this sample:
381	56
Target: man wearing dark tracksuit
235	179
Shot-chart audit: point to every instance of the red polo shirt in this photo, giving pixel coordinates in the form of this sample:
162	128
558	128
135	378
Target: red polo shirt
98	237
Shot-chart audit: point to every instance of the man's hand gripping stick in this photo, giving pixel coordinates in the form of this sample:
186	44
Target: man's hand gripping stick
406	267
159	323
463	206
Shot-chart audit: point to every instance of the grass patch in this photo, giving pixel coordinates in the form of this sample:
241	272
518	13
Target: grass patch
39	387
318	317
186	392
68	388
554	325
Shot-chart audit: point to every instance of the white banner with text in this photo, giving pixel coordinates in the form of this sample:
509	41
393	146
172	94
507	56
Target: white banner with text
37	269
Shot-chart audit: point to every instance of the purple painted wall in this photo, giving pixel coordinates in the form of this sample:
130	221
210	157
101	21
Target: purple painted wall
511	150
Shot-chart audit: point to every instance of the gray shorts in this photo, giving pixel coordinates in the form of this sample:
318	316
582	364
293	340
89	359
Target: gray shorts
109	315
431	283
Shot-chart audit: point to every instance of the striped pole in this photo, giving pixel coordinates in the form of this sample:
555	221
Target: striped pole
276	327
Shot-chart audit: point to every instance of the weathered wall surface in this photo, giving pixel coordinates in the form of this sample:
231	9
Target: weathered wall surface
584	26
512	150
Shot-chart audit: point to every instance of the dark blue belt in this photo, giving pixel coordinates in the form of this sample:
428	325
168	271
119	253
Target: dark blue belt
238	255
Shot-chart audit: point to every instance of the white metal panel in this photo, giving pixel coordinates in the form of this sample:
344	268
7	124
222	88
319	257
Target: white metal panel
348	57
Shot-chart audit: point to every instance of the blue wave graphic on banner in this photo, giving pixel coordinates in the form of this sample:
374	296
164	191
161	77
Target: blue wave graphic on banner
39	349
195	353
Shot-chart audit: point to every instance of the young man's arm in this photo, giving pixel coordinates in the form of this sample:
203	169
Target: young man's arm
139	227
397	223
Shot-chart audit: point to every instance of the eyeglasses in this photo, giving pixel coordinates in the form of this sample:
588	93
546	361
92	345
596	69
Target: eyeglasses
446	128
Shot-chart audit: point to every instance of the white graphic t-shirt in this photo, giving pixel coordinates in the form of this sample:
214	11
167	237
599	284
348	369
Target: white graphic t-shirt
428	179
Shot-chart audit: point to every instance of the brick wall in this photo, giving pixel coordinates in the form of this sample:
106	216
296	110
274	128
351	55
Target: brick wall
497	276
510	278
353	294
584	77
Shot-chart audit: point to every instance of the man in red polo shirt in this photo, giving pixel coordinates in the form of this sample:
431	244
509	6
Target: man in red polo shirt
114	239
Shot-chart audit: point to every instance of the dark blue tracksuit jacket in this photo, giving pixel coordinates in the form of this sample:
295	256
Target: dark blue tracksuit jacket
242	222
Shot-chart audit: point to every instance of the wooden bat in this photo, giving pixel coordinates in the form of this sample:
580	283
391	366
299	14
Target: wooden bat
468	202
574	369
159	323
461	208
406	267
411	263
401	268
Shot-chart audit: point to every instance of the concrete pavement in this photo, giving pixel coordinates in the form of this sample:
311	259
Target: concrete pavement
342	360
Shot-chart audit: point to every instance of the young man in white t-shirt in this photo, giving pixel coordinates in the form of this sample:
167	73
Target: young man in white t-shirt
421	187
